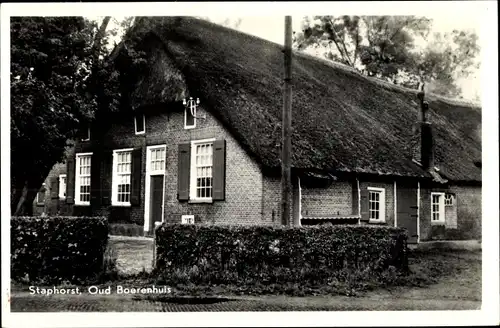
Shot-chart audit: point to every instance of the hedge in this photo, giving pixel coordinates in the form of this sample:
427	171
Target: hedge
56	249
236	254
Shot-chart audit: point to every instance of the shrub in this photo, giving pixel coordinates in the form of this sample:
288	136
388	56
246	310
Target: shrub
246	255
55	249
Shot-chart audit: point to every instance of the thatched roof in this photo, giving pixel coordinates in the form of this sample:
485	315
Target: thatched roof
342	121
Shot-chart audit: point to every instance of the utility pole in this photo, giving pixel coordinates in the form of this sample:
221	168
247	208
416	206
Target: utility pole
286	183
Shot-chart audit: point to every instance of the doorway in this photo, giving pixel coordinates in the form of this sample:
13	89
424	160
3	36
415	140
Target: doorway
155	187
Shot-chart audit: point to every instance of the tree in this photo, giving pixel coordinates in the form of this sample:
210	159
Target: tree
54	90
387	47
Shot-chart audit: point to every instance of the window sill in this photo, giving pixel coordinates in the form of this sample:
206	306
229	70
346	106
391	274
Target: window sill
200	201
121	205
140	133
376	221
436	223
80	204
189	127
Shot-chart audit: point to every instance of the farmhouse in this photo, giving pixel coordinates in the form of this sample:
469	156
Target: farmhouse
364	151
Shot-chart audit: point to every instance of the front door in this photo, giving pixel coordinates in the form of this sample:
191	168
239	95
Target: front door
156	201
407	210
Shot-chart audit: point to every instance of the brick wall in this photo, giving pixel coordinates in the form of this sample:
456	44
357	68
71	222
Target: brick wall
244	180
469	211
271	201
462	220
336	199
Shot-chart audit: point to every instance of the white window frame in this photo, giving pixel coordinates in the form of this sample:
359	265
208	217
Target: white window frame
62	191
451	199
38	194
143	124
381	208
77	177
114	188
192	173
440	211
88	135
149	173
187	127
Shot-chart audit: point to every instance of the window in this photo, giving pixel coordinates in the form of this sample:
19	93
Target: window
448	200
122	168
189	117
201	170
437	207
62	186
40	196
86	134
140	124
157	160
376	204
82	175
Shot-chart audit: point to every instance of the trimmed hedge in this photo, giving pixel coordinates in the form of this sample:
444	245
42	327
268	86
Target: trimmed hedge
56	249
317	255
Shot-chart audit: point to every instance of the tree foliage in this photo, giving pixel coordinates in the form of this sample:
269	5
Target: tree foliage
387	47
60	79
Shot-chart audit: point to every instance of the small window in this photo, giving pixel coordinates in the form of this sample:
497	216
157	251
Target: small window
376	204
140	124
62	186
437	207
189	117
82	177
448	200
157	160
122	171
201	170
40	196
85	134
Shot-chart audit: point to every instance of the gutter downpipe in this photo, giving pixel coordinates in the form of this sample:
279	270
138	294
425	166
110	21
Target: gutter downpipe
359	202
418	212
395	205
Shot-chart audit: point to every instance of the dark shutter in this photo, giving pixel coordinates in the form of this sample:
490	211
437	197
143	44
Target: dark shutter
106	180
219	170
54	192
184	165
70	180
95	179
135	194
364	204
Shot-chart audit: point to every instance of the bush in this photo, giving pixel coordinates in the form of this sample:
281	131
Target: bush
56	249
247	255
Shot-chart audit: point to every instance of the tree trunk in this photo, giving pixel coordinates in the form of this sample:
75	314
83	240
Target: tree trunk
19	208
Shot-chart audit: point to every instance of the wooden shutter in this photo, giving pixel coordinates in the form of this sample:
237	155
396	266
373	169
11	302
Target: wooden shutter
219	170
364	204
54	190
95	179
183	174
135	194
70	180
107	176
